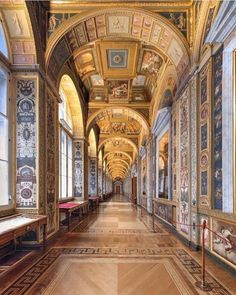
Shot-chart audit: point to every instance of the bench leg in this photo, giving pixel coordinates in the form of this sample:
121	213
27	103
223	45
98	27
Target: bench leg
68	221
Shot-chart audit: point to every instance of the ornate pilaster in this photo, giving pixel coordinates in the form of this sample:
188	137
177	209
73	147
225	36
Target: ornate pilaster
93	176
80	168
27	118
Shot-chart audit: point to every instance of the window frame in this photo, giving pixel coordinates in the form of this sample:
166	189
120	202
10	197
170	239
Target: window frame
10	112
69	134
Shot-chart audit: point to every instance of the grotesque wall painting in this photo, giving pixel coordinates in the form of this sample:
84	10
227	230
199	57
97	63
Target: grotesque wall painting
100	180
204	183
184	162
26	144
174	153
209	22
179	19
217	141
204	143
51	158
78	170
224	243
56	19
204	137
164	211
93	177
144	176
193	145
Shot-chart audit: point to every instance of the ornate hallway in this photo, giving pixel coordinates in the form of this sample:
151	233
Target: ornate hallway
114	251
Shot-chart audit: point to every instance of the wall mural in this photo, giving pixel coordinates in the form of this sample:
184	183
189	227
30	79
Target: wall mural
104	181
225	247
78	170
204	183
51	160
164	211
194	229
56	19
118	89
144	176
193	142
26	144
93	176
174	153
205	133
179	19
100	181
209	22
204	137
217	129
184	162
151	63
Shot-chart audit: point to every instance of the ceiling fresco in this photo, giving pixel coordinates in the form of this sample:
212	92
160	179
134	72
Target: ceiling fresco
119	53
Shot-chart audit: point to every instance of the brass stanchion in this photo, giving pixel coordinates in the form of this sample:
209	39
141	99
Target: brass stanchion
202	284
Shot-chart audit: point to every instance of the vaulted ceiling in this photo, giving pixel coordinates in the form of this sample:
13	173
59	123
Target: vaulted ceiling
122	56
130	57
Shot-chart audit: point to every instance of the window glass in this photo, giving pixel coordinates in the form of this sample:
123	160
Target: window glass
3	138
3	93
4	142
65	165
64	112
3	42
4	198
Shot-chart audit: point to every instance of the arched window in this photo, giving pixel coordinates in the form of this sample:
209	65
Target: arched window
66	152
3	41
4	141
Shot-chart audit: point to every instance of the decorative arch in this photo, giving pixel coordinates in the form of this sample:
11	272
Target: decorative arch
127	140
132	113
118	161
69	89
118	167
162	34
92	151
120	152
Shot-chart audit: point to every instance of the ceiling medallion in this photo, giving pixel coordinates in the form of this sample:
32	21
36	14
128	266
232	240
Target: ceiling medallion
117	59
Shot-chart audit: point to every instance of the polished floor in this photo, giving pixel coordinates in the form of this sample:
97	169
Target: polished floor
113	251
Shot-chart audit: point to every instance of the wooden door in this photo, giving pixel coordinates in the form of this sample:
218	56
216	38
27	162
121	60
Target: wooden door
118	189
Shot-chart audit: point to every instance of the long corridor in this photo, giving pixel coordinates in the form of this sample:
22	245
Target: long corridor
115	251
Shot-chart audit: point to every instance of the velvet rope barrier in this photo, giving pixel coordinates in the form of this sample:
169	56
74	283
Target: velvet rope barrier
200	284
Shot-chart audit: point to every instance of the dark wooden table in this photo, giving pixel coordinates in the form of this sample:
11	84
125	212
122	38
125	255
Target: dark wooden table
70	207
15	226
93	201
